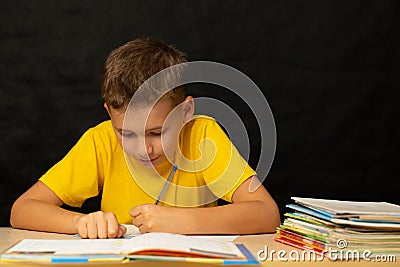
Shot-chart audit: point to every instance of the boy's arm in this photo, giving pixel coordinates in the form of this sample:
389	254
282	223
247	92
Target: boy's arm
39	208
249	213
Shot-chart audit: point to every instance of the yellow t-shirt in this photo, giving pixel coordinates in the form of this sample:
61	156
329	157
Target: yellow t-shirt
97	164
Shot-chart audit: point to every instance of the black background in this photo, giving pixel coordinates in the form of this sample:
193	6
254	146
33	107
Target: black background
329	69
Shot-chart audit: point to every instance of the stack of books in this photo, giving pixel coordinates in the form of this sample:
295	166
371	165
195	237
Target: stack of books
342	229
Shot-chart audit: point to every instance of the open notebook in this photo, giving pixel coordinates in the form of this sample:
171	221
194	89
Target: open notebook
133	230
150	246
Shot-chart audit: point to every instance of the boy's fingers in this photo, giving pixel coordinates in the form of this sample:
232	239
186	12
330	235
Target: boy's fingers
82	231
137	221
136	211
121	231
113	227
102	228
92	230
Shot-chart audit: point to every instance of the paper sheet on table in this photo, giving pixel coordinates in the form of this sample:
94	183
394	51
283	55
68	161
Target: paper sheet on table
227	238
132	230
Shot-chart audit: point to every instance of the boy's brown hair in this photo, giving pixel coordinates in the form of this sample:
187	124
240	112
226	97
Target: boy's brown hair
131	64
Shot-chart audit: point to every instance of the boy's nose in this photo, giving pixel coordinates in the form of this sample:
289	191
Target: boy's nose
144	150
149	148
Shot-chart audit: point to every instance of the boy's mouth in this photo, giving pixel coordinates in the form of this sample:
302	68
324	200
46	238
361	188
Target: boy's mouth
148	161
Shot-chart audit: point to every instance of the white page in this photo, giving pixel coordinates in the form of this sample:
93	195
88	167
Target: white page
177	242
79	246
350	207
149	241
131	230
376	225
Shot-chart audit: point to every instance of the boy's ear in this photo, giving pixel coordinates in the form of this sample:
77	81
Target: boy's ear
188	108
107	109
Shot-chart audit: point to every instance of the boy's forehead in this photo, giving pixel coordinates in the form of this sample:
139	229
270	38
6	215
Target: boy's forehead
140	116
146	116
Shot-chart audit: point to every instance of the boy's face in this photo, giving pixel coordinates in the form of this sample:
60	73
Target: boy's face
151	140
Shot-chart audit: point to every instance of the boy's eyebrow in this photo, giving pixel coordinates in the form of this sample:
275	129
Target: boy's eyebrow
154	128
151	129
122	130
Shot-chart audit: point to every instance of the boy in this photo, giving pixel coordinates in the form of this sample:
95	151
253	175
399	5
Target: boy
122	158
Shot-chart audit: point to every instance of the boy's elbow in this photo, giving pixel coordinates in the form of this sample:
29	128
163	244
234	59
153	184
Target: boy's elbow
12	223
273	224
272	218
14	214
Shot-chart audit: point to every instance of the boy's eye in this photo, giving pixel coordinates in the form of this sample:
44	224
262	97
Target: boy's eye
127	134
158	133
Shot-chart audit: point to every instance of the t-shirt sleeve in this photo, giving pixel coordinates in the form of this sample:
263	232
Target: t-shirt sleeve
79	175
225	169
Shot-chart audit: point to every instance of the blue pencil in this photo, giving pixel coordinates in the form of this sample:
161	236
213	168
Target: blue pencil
166	183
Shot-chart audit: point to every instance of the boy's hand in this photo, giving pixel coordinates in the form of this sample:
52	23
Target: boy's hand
155	218
99	225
